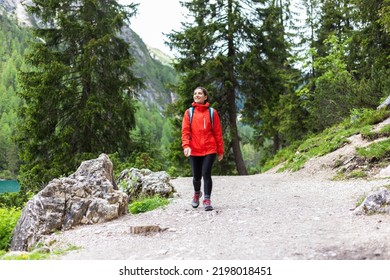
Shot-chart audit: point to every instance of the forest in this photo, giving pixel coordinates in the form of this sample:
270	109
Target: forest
277	72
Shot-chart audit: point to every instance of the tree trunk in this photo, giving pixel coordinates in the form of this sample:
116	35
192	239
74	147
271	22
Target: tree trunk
240	165
231	85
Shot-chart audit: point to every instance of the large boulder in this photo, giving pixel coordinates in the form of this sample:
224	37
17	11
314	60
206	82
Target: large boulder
137	183
88	196
377	202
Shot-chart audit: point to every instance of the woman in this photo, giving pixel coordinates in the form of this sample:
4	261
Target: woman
202	141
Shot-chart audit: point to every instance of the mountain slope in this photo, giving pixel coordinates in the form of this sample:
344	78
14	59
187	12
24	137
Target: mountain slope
157	75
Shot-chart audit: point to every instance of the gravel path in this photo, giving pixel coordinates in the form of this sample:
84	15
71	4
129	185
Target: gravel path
266	216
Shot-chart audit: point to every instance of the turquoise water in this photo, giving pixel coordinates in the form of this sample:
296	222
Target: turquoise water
9	186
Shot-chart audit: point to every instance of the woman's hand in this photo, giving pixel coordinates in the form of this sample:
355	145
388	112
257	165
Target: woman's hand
220	157
187	152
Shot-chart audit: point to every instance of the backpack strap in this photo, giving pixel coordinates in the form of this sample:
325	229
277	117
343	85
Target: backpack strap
211	112
191	112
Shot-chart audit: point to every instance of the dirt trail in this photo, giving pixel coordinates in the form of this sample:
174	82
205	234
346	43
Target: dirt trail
266	216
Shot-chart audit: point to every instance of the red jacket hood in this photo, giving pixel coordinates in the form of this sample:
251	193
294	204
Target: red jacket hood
205	106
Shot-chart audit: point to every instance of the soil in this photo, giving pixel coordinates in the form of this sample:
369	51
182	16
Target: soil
298	216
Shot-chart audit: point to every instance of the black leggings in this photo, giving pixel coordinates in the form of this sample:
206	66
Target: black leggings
201	167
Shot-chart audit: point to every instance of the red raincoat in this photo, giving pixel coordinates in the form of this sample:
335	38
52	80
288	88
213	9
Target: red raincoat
199	135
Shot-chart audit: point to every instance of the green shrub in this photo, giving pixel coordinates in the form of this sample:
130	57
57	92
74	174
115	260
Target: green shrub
8	219
147	204
7	175
14	199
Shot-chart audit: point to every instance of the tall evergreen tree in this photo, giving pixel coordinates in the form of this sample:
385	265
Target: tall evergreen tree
370	51
309	22
370	48
384	18
268	78
335	20
13	42
79	95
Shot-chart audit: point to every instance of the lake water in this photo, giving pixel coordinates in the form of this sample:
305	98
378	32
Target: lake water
9	186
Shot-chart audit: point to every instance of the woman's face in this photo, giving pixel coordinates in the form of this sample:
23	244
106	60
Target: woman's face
199	96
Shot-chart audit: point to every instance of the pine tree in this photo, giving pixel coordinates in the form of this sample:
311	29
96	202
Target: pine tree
268	79
370	48
13	42
79	95
384	18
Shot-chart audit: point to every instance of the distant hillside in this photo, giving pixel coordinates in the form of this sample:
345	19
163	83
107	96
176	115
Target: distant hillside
157	74
160	56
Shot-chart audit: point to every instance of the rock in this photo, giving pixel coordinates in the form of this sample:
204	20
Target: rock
384	104
383	173
374	203
138	183
42	250
146	229
88	196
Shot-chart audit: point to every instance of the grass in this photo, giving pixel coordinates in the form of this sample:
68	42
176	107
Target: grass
360	201
8	220
296	155
147	204
38	254
367	133
375	151
2	253
357	174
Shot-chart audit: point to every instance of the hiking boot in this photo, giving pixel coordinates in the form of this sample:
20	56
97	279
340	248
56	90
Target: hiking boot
195	200
207	205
